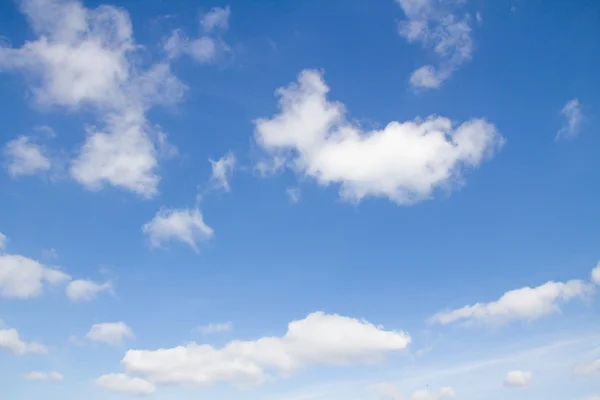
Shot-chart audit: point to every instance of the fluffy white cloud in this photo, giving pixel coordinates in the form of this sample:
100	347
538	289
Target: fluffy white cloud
87	58
318	339
405	162
391	392
86	290
121	383
588	369
215	328
112	333
222	169
518	379
184	225
595	274
22	277
10	339
432	24
573	117
203	49
3	241
44	376
520	304
25	157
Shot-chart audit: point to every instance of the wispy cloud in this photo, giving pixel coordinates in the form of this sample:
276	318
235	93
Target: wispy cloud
573	118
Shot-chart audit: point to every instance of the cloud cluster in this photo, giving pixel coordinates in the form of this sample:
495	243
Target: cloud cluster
318	339
404	162
206	48
23	278
87	59
433	24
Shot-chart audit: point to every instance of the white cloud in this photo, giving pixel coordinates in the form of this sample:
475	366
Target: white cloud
121	383
521	304
293	194
318	339
87	59
573	116
25	157
222	169
596	274
44	376
518	379
588	369
86	290
432	24
217	18
112	333
184	225
215	328
10	339
206	48
203	49
594	398
391	392
405	162
3	241
22	277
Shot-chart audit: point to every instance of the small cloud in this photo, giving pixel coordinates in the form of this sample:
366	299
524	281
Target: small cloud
45	131
206	48
124	384
183	225
11	340
86	290
573	117
217	18
44	376
24	157
293	194
222	170
596	274
518	379
112	333
3	240
479	18
215	328
50	254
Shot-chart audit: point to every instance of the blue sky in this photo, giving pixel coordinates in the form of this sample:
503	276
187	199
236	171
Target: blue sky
290	200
